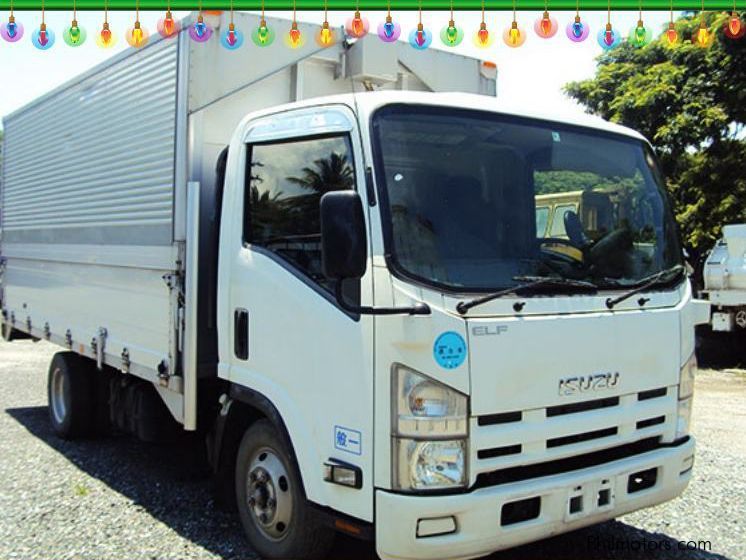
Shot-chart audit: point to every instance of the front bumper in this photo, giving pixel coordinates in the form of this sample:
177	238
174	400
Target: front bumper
478	514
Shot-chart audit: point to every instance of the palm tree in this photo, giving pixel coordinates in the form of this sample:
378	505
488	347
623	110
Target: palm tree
331	174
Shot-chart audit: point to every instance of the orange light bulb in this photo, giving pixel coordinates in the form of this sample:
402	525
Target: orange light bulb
672	35
295	34
734	24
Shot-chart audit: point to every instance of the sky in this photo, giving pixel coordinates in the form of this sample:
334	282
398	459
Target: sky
534	73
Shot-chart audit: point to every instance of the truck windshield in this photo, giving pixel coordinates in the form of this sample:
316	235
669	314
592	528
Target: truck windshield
471	200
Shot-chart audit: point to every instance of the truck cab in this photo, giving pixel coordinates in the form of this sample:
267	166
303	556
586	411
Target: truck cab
444	375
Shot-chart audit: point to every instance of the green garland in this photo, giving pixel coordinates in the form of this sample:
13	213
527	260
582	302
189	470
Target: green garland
370	5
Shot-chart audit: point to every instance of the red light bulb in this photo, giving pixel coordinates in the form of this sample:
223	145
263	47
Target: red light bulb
608	35
546	24
483	35
168	24
420	36
358	27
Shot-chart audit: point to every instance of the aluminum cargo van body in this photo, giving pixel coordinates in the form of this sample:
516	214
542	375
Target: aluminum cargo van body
348	295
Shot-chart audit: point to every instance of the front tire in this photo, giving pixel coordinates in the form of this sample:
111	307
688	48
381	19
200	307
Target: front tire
277	519
70	393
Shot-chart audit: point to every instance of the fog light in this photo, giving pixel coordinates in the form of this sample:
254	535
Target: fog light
436	527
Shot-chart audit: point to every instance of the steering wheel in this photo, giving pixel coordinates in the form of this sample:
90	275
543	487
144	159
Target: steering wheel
609	244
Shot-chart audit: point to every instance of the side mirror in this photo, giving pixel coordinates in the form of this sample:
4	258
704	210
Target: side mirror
344	252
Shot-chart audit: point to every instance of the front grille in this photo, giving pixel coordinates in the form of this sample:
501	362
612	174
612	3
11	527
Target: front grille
577	438
571	433
654	394
504	418
499	451
517	474
650	422
581	406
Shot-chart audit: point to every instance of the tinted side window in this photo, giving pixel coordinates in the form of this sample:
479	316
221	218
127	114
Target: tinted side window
285	184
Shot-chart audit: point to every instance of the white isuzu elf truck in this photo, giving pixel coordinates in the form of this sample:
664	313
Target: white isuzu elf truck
356	297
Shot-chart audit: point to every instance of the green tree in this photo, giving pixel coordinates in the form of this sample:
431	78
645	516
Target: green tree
690	103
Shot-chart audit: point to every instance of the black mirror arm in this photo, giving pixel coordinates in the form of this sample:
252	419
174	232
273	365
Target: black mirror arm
417	309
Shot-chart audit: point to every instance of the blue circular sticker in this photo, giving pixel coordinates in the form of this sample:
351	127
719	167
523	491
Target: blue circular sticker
449	350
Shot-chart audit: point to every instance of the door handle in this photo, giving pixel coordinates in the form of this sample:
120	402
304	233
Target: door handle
241	334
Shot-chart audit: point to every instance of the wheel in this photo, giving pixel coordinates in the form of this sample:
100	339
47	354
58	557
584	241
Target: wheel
70	392
277	519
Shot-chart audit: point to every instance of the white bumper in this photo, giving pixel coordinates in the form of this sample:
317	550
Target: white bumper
478	514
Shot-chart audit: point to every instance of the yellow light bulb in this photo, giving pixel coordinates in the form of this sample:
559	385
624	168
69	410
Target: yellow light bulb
703	35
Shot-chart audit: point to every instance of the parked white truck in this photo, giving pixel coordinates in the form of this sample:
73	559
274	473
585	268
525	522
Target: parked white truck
725	280
348	295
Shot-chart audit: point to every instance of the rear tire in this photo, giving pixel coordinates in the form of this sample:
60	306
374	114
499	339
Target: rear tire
278	521
70	392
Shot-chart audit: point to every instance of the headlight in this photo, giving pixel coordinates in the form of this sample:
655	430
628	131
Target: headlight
684	418
686	379
424	408
429	427
429	465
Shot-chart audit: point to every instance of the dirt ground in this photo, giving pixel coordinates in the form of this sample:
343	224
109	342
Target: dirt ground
116	498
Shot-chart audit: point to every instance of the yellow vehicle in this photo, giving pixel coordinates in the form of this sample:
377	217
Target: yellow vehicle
595	210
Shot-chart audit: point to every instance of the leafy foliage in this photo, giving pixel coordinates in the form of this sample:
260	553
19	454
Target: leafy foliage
561	181
691	104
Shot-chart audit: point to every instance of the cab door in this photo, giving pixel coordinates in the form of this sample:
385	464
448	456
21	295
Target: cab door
285	335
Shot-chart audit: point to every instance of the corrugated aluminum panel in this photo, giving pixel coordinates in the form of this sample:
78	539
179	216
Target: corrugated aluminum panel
94	163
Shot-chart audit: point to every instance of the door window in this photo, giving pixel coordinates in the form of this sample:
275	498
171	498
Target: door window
558	221
286	181
542	220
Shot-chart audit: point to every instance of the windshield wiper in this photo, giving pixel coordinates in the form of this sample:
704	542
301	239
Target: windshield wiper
527	283
662	277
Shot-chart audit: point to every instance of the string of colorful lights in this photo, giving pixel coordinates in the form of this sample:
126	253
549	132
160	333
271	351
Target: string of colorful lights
371	5
358	26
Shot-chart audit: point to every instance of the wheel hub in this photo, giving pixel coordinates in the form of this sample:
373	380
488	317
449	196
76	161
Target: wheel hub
268	495
58	396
